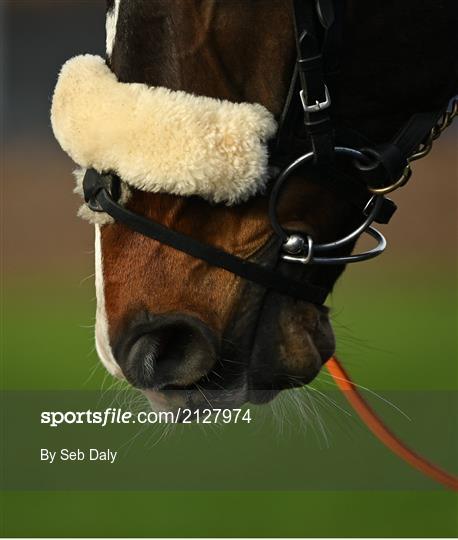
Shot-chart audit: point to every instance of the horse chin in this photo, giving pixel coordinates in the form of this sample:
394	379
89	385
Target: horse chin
293	340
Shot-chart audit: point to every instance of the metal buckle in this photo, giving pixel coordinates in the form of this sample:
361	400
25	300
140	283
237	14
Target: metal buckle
295	245
319	105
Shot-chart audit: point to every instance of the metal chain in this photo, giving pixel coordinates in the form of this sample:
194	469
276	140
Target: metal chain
424	149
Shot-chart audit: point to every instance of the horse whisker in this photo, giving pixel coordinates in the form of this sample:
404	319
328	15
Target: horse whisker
385	400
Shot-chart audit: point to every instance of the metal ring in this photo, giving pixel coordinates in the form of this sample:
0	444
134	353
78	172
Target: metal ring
365	256
285	174
377	203
371	158
372	207
299	162
405	176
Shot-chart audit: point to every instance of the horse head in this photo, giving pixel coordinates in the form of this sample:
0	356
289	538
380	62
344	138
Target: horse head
182	330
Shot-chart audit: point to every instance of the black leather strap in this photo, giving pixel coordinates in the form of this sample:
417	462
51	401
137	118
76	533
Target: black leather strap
97	195
388	161
313	19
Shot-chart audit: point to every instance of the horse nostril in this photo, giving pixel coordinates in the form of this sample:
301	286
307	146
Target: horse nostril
173	351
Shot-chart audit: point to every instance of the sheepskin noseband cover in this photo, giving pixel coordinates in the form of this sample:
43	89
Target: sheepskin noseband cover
160	140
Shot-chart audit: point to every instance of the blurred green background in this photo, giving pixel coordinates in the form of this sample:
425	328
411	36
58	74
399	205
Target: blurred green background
395	318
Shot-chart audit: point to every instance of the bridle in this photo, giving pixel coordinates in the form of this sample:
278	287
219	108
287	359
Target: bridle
363	172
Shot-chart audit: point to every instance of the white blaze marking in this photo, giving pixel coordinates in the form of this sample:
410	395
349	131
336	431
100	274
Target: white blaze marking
111	24
102	341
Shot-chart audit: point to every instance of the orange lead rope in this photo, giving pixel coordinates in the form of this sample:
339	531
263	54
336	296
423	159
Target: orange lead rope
380	430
